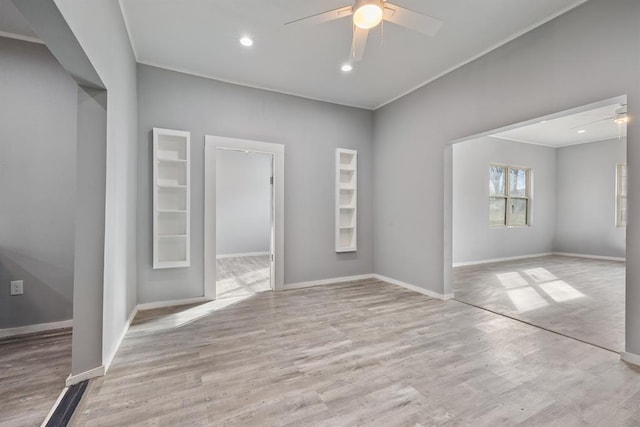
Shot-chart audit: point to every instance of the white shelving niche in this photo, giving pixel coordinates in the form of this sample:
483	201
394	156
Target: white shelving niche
171	198
346	200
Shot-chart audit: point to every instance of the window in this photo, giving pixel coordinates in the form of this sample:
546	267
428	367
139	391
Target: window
509	196
621	196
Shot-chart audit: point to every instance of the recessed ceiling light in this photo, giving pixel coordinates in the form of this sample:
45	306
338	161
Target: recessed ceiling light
582	131
246	41
544	121
346	68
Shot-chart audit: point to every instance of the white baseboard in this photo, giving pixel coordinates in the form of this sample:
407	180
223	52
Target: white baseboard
109	359
331	281
78	378
171	303
40	327
606	258
513	258
443	297
634	359
244	254
492	260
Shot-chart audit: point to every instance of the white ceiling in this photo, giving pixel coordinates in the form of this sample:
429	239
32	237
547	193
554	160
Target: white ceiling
597	124
201	37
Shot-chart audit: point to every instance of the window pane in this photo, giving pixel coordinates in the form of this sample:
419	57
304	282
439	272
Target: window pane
497	178
623	211
622	176
518	212
518	182
497	211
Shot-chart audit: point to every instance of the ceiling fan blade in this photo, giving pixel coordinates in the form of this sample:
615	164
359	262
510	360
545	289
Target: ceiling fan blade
359	43
319	18
413	20
593	123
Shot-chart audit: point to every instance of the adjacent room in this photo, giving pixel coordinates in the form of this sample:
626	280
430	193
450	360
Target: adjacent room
322	212
539	217
244	208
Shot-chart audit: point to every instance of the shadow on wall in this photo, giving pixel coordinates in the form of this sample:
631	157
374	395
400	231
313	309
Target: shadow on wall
48	291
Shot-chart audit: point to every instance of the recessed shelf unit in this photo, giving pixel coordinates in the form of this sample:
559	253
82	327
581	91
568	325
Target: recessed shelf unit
171	198
346	200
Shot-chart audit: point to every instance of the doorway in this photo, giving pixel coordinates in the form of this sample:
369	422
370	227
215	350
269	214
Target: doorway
244	222
539	222
244	217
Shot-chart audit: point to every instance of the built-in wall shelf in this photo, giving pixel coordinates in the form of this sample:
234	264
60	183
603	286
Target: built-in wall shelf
171	198
346	200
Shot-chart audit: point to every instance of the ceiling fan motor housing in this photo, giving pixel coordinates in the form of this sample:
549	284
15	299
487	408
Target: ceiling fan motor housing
368	13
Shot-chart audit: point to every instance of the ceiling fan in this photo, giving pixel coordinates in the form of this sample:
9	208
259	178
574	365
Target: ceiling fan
368	14
619	117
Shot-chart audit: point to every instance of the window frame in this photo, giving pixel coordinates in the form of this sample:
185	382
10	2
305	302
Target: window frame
620	195
508	197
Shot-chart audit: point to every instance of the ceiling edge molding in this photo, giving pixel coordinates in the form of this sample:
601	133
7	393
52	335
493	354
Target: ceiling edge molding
20	37
126	25
281	92
486	51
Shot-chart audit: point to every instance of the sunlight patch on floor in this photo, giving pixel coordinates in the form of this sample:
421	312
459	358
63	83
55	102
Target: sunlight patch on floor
526	299
561	291
512	280
540	274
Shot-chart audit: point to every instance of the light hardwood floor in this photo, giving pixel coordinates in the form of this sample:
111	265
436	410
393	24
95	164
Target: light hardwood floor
578	297
361	353
242	276
33	370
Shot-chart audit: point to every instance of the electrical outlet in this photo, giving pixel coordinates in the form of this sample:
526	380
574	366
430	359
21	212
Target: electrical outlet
17	287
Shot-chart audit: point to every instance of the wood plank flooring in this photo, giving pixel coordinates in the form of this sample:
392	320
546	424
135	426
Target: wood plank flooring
578	297
360	353
242	276
33	369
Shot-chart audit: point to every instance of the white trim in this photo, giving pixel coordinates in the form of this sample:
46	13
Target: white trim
244	84
634	359
21	37
513	258
486	51
331	281
109	359
492	260
54	407
125	18
241	255
211	145
87	375
606	258
171	303
568	144
40	327
423	291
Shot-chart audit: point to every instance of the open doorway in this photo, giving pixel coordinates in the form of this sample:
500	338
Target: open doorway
539	222
238	253
244	222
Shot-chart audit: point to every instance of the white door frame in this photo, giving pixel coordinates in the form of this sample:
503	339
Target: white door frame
211	144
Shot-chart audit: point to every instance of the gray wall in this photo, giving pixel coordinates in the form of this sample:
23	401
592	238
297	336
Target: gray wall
473	238
37	184
586	199
243	202
310	131
99	27
589	54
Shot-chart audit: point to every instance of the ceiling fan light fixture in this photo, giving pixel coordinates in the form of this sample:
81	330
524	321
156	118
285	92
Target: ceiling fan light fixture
367	13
